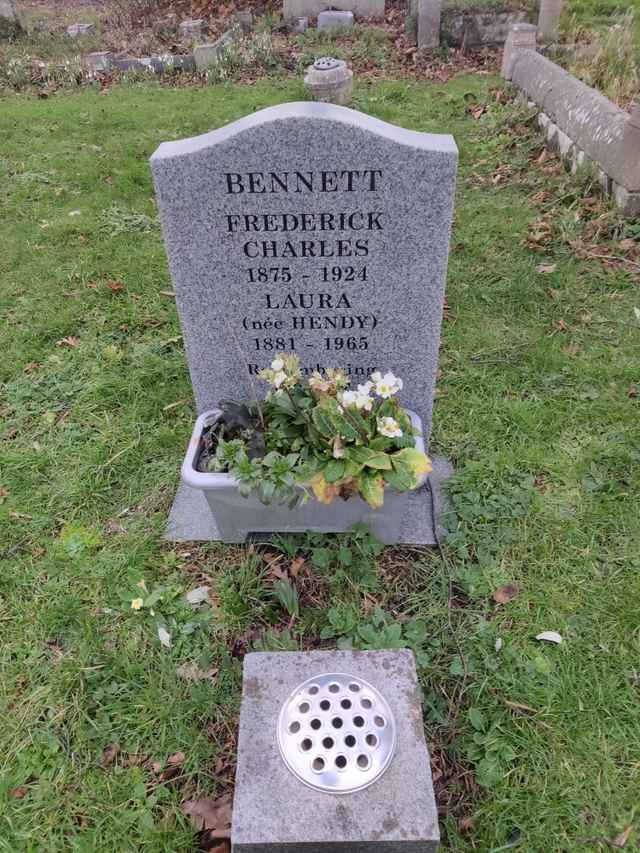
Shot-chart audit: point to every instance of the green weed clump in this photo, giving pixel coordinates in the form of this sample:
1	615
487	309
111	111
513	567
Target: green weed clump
614	69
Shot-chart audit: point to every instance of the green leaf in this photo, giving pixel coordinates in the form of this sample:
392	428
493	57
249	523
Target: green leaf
334	471
343	427
283	402
477	719
287	595
357	421
323	422
371	458
321	558
345	555
401	477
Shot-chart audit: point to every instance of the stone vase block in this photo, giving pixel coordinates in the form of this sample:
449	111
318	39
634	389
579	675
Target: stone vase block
274	812
329	80
333	19
237	516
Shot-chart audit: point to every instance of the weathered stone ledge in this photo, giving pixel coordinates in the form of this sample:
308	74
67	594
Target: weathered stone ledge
585	127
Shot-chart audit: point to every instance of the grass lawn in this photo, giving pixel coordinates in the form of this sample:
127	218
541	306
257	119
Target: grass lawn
534	744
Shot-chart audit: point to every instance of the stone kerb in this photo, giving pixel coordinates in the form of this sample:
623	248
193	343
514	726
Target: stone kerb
591	122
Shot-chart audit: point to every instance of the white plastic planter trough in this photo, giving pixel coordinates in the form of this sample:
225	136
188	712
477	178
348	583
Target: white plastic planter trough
237	516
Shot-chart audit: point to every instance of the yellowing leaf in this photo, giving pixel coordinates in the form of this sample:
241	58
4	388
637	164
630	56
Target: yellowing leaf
372	490
418	462
324	492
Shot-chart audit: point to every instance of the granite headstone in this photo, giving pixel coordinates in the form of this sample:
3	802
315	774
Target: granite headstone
308	228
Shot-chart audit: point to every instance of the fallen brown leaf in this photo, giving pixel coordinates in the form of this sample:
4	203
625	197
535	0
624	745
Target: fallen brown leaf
633	391
71	342
218	846
296	566
546	268
19	793
31	367
191	672
622	839
213	815
175	405
115	286
176	759
518	706
506	594
467	824
168	293
109	755
20	516
572	349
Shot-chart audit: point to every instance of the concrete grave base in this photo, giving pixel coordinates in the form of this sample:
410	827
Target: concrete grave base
274	812
190	519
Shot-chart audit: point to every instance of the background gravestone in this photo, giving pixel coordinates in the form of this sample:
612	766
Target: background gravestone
310	228
10	24
360	8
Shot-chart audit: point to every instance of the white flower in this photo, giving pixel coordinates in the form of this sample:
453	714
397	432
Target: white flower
279	378
366	388
363	400
388	385
277	364
348	398
137	604
389	427
376	376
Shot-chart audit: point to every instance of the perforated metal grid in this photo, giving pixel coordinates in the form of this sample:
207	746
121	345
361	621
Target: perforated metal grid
336	733
325	63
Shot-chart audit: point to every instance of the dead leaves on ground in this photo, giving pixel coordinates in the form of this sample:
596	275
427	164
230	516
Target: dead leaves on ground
506	594
190	672
212	816
621	840
109	755
70	342
279	567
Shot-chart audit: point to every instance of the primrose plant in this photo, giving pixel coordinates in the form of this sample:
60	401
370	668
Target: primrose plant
317	436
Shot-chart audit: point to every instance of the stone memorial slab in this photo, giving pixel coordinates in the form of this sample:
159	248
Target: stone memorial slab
315	229
333	19
312	8
275	812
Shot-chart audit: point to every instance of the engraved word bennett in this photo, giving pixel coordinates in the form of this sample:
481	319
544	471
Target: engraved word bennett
324	181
